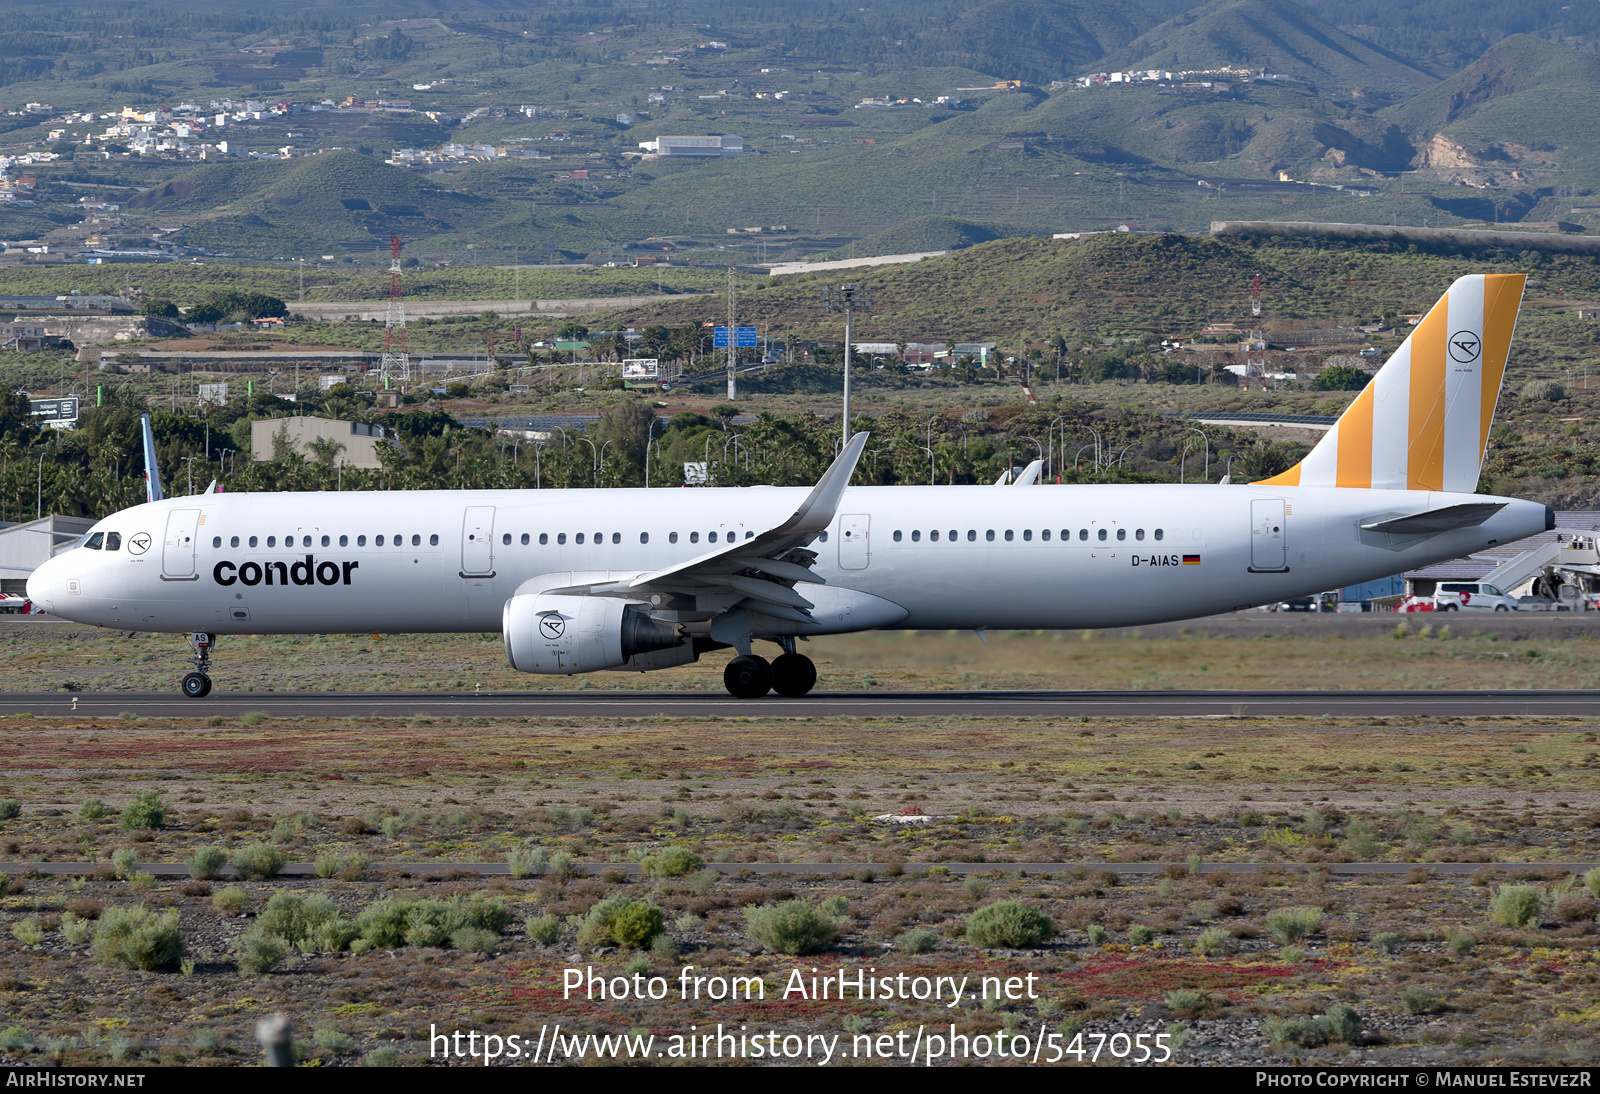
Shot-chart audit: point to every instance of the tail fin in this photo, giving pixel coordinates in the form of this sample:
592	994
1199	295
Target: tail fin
1423	422
152	473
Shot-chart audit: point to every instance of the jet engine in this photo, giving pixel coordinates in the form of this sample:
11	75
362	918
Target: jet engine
553	634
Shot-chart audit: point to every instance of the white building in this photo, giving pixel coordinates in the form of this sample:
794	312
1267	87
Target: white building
706	147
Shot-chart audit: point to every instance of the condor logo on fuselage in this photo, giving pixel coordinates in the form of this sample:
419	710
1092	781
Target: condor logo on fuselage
306	571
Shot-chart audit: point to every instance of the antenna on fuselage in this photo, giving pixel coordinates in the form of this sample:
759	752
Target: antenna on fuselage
152	473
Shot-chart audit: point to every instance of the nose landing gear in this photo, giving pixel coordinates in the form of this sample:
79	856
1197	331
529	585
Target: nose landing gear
197	684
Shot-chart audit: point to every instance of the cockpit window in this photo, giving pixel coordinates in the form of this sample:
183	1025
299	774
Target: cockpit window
94	541
113	541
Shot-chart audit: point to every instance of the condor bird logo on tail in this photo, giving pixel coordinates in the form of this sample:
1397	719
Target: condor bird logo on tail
1423	422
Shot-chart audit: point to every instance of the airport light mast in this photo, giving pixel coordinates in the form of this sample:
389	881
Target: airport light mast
396	361
846	298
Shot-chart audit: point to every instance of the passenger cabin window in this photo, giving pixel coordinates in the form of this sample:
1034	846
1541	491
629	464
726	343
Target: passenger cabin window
578	538
1159	535
306	542
1102	535
711	537
1122	534
561	537
916	536
644	537
416	541
1138	533
433	541
96	541
113	541
524	539
252	541
694	537
361	541
325	541
672	537
897	535
234	542
377	541
616	537
972	535
1044	535
1027	534
344	541
823	537
1009	535
216	541
272	541
544	538
1083	533
934	535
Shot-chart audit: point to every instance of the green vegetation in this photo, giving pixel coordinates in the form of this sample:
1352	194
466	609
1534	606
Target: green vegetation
543	929
258	860
1009	924
1290	925
207	862
791	927
10	808
917	940
231	901
672	862
146	810
618	921
1341	1023
1516	906
138	938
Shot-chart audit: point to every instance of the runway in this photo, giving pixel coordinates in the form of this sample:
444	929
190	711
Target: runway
856	704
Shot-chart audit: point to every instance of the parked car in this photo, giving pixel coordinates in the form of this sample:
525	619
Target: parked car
1472	596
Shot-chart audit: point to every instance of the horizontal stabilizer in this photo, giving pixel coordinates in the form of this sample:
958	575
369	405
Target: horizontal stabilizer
1448	519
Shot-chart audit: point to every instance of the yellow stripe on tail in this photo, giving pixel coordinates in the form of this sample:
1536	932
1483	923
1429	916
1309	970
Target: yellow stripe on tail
1423	422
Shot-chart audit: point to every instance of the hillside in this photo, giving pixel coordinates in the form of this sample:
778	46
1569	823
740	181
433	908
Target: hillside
338	198
1035	40
1524	99
1012	290
1279	36
928	233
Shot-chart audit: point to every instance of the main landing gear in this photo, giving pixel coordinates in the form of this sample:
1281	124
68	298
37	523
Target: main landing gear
197	684
751	677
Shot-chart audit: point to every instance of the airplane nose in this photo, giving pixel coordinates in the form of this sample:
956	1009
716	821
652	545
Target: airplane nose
45	584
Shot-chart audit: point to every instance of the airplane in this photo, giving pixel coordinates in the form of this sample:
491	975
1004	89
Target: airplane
580	581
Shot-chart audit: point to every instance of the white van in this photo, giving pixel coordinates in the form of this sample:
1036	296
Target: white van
1471	596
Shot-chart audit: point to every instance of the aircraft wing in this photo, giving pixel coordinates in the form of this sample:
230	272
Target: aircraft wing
762	568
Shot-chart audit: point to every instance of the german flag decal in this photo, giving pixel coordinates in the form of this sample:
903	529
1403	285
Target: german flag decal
1191	560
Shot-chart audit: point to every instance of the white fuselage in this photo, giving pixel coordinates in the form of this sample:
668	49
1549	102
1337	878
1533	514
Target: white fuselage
950	556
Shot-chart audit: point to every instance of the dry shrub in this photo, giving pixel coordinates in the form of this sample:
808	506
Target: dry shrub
138	938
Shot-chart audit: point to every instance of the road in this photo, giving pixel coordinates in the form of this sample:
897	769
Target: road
857	704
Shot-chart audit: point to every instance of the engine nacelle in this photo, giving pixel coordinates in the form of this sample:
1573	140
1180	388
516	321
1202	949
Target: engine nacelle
547	633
